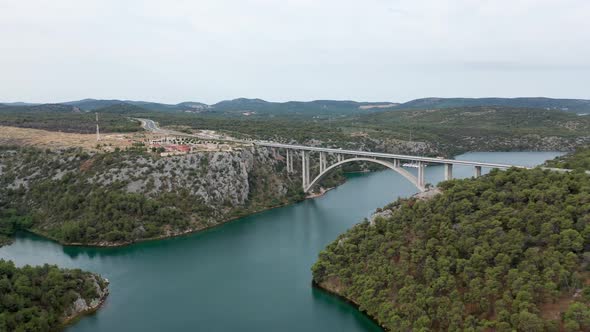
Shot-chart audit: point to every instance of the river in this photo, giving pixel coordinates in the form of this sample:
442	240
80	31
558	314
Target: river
252	274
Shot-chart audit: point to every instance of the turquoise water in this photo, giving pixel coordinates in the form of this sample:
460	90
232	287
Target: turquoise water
252	274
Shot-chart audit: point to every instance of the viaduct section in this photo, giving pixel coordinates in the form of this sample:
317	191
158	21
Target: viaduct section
395	162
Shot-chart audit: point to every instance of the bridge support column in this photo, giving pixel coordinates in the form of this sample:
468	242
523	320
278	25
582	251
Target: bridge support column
339	158
322	161
448	172
289	165
421	167
396	162
305	169
477	171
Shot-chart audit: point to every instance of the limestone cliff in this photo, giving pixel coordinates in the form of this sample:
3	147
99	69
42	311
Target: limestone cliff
121	197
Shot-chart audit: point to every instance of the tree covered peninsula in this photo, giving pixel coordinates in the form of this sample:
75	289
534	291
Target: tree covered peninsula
507	251
579	160
45	298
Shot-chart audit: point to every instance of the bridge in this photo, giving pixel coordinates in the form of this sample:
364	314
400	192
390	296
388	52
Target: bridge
330	159
395	162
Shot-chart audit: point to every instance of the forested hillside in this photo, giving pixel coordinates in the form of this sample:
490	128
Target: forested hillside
43	298
345	124
66	118
578	160
507	251
125	196
433	132
571	105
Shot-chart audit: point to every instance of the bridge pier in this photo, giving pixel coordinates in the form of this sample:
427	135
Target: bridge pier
339	156
477	171
289	162
322	161
421	168
305	169
448	172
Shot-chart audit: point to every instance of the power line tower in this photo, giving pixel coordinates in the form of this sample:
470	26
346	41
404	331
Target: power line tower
97	130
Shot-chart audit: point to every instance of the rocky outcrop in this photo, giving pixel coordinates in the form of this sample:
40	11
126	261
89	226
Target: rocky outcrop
82	306
111	199
215	178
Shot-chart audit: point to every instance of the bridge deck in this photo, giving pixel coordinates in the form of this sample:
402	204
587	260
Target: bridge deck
389	155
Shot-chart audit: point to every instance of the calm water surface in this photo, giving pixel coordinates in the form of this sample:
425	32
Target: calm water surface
252	274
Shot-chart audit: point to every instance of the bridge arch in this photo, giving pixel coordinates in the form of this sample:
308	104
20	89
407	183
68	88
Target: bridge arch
409	176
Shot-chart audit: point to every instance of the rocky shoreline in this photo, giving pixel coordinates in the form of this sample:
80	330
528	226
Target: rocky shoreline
81	307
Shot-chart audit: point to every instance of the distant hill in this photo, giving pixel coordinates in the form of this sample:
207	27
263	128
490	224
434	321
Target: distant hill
260	107
309	108
184	106
18	103
123	108
69	118
571	105
9	108
92	104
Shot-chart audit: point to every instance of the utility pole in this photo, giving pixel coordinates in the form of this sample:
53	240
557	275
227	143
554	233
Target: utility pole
97	130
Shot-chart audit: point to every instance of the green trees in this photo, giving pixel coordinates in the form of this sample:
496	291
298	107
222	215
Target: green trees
493	252
36	298
73	197
579	160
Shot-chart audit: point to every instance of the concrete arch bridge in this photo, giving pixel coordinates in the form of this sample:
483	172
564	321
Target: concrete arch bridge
395	162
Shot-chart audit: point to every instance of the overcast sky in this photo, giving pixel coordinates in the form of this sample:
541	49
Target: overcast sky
278	50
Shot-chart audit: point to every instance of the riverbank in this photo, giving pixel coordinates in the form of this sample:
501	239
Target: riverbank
332	289
400	267
326	289
81	308
187	232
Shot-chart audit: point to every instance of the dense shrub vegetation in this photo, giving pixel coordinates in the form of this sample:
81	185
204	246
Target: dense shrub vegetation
579	160
37	298
450	131
446	131
66	118
76	197
507	251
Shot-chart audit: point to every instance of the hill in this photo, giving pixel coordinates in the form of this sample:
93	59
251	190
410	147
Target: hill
333	107
577	160
570	105
434	132
115	198
68	118
296	108
455	130
503	252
